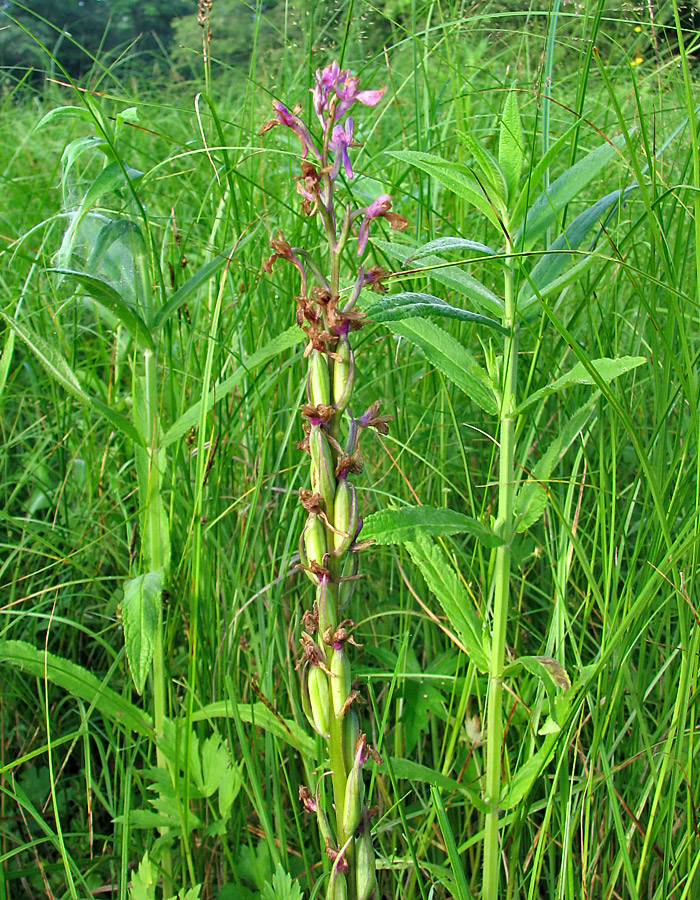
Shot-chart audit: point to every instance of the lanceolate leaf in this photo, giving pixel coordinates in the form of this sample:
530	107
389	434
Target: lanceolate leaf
550	672
57	367
606	369
107	296
443	581
444	244
77	681
183	293
547	209
408	304
490	169
453	178
553	263
452	359
393	526
259	715
140	611
510	143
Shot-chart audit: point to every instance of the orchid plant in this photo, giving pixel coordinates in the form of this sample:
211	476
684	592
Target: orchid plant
330	543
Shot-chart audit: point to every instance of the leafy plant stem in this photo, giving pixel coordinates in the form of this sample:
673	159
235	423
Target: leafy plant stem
504	528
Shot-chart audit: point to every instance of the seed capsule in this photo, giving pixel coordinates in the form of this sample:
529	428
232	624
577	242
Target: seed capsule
319	700
319	379
351	732
354	798
343	374
322	468
315	539
337	886
344	516
341	683
365	865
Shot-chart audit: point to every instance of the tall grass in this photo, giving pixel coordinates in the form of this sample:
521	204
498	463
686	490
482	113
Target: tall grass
605	582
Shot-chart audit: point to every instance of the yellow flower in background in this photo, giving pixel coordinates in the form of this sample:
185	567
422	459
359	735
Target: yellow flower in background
637	61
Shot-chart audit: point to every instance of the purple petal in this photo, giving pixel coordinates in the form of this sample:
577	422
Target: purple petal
371	98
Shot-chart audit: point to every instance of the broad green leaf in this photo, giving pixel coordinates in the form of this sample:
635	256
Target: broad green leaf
449	274
511	152
604	368
262	717
394	526
413	771
575	273
66	112
453	177
452	359
282	887
77	681
108	297
551	673
144	880
185	291
532	497
553	263
408	304
548	208
443	244
190	418
442	580
140	614
116	230
490	169
58	369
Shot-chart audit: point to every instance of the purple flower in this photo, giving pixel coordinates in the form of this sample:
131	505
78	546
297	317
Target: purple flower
348	94
284	117
341	139
326	82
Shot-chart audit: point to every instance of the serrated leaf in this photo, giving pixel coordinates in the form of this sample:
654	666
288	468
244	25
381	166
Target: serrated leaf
511	153
108	297
452	359
453	178
532	497
143	880
442	580
445	244
58	369
552	264
605	369
140	615
394	526
282	887
275	347
547	209
449	274
76	681
408	304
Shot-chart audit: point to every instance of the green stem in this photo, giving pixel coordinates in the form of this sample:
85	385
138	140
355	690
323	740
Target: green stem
504	528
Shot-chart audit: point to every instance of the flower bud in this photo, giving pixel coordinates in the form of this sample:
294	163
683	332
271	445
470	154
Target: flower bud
322	468
319	382
351	732
365	866
315	540
317	681
341	683
345	516
343	374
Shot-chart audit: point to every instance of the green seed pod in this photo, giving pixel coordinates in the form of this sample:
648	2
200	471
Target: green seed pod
337	886
315	540
365	865
354	799
319	379
343	374
341	683
319	700
345	516
346	589
322	468
351	732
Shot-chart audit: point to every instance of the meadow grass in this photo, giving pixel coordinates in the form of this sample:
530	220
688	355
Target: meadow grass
604	582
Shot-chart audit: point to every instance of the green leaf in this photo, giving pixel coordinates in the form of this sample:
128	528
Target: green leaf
262	717
140	608
532	497
442	580
66	112
190	418
548	208
448	274
551	673
57	367
77	681
452	359
453	177
511	153
445	244
460	889
408	304
553	263
108	297
604	368
185	291
394	526
144	880
491	171
282	887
